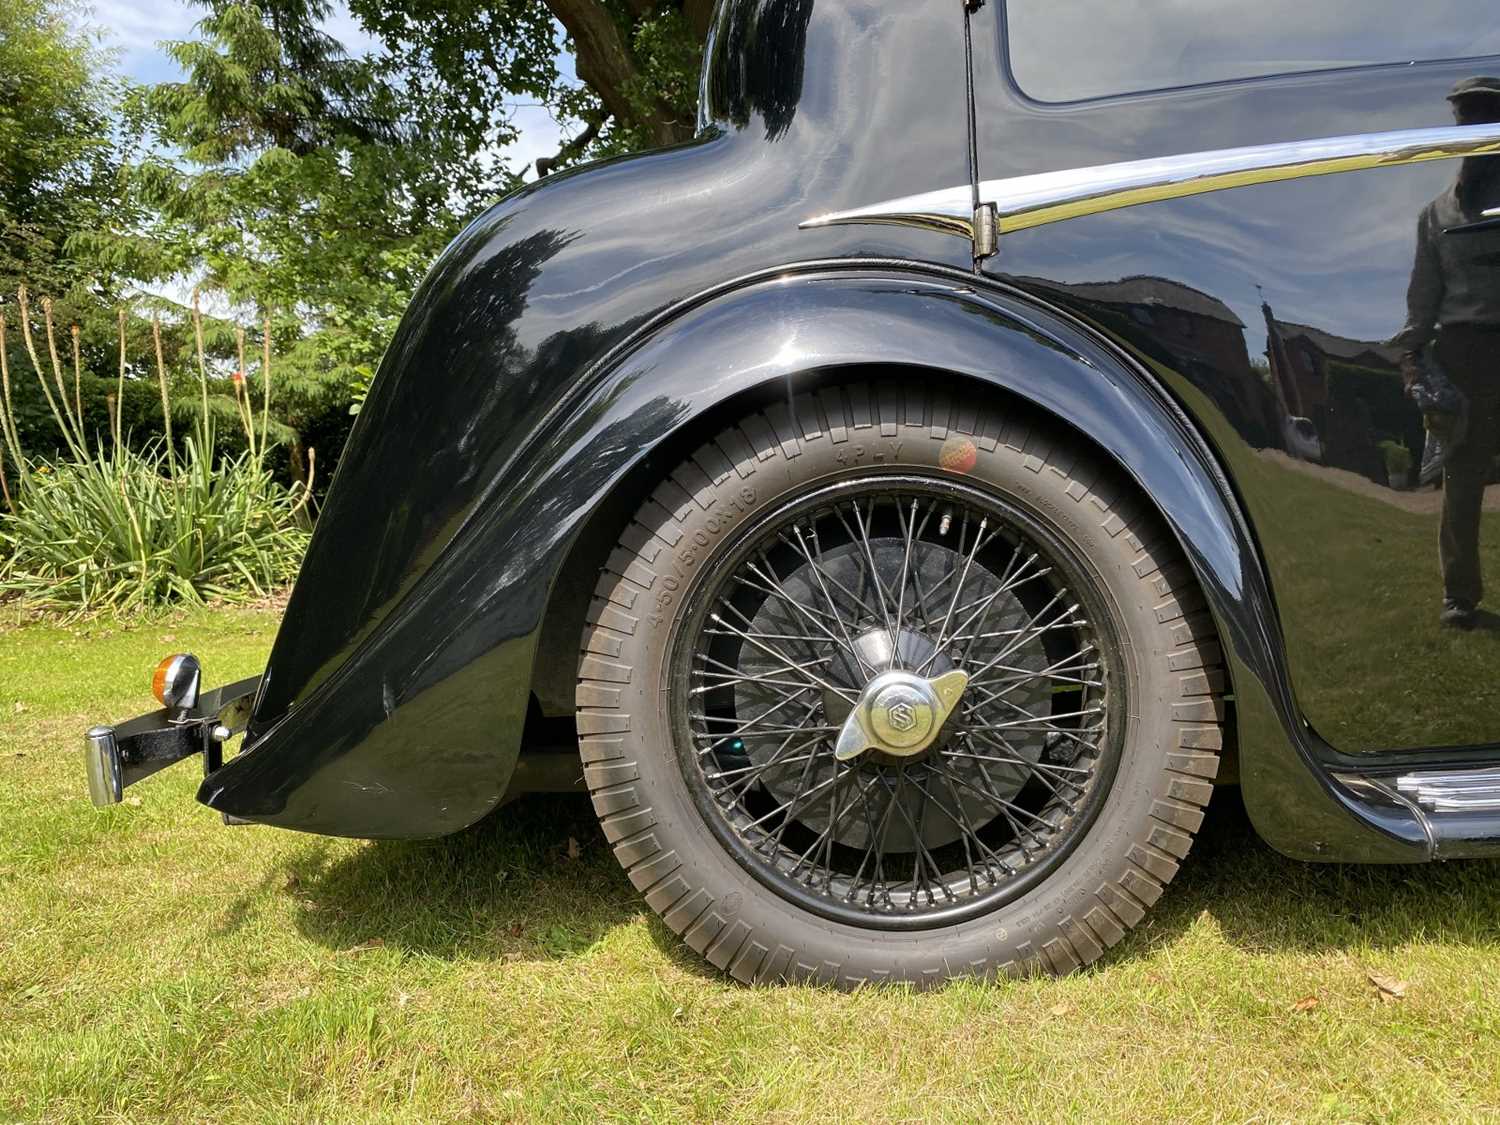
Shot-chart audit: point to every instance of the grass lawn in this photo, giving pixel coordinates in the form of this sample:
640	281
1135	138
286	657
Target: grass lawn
155	964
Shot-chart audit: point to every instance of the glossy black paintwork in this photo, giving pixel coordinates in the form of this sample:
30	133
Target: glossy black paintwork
593	319
1313	270
410	632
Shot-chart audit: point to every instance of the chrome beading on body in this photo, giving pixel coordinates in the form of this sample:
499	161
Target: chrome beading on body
1459	791
1022	202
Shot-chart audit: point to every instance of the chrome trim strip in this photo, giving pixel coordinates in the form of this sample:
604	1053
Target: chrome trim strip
1032	201
1460	791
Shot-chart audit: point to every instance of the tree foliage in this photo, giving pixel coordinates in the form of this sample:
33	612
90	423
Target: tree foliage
59	162
637	62
287	175
290	178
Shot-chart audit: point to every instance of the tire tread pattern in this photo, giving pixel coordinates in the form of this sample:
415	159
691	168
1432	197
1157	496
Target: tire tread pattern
766	441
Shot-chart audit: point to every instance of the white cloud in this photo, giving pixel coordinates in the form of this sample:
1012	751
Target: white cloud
342	25
136	27
539	136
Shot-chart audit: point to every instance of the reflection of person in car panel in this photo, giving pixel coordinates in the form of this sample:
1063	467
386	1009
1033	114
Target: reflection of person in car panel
1453	303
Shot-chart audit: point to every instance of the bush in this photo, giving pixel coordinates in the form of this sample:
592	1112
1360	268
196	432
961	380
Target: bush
122	528
127	530
1397	459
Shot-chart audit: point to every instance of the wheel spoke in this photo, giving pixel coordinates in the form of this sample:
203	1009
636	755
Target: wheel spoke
1046	773
779	758
1045	720
817	572
796	803
752	727
942	633
1056	671
970	833
978	618
873	573
911	580
776	589
923	866
824	839
803	668
1008	809
757	769
1016	760
908	531
774	841
1031	631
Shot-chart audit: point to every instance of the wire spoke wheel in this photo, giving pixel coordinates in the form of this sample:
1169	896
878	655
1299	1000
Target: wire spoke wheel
834	592
880	684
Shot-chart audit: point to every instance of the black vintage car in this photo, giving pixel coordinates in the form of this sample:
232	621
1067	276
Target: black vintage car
899	506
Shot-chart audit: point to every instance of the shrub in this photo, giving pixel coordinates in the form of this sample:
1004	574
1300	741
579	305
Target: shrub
120	531
124	529
1397	459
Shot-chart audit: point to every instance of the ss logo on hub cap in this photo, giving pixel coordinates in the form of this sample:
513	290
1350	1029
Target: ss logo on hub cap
899	713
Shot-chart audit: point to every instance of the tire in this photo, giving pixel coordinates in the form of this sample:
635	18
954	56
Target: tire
1048	894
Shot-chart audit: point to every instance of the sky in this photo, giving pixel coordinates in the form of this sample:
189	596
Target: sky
135	28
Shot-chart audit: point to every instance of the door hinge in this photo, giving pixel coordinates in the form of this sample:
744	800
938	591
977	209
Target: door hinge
986	232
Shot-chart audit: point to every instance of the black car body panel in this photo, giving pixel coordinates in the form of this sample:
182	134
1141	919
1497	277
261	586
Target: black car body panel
885	315
591	325
1313	272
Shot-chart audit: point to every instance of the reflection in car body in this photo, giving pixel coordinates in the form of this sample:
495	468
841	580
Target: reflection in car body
896	506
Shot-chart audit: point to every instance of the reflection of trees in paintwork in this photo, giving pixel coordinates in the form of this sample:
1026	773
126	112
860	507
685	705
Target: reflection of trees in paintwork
757	61
1313	394
1187	331
564	488
592	453
1350	390
440	419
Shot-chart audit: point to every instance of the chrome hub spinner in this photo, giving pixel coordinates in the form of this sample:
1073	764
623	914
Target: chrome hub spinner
900	714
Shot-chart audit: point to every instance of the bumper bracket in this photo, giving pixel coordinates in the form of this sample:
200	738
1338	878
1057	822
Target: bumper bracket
118	756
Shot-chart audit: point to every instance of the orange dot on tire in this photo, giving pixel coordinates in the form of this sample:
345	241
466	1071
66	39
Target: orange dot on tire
958	455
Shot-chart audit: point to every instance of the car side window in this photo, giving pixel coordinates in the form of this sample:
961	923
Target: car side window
1061	52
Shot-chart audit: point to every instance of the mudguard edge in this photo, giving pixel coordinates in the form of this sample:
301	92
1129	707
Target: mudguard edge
333	766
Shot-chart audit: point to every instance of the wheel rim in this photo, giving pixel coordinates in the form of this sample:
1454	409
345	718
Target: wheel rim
853	601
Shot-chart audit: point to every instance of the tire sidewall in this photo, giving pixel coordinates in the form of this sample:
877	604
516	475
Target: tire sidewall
1071	498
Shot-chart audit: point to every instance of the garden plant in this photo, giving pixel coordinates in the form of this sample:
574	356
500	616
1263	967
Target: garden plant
104	525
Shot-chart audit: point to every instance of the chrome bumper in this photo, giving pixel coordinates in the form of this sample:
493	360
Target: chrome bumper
105	767
117	756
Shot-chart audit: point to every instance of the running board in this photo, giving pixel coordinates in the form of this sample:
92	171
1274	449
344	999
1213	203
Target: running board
1457	810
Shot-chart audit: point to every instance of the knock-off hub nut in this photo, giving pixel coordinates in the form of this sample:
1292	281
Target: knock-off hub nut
900	714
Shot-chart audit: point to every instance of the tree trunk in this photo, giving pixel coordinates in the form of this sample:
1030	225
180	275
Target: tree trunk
607	64
295	462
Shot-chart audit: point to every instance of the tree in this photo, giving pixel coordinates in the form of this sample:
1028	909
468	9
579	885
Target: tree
58	157
289	176
638	62
295	180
